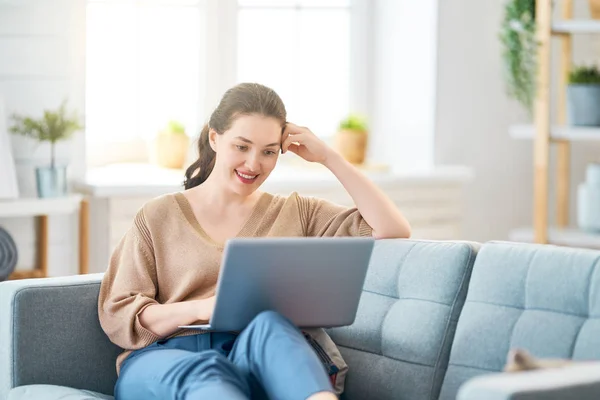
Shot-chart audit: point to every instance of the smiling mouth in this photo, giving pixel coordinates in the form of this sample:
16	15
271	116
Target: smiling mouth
246	178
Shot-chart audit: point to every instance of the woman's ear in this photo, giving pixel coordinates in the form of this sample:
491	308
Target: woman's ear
212	139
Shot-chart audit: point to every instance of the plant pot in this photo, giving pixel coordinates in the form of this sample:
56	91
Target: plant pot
352	145
583	106
171	150
51	181
594	8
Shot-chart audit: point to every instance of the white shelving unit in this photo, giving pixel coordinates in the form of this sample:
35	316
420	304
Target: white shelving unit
41	209
570	237
570	133
552	131
576	26
29	207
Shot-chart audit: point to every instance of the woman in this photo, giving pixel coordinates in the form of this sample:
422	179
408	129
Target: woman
164	271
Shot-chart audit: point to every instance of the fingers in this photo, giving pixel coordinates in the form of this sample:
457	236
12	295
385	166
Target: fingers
285	132
294	148
293	133
287	142
291	137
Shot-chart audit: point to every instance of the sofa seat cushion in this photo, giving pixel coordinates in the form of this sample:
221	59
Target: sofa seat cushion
53	392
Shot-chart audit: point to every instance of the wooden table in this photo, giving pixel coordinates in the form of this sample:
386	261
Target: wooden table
41	209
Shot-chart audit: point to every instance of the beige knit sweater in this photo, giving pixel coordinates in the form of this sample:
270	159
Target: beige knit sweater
166	257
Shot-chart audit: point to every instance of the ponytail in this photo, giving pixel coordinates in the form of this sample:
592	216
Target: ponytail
199	171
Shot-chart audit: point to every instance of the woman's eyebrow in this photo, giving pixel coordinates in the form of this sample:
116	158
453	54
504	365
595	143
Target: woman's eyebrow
243	139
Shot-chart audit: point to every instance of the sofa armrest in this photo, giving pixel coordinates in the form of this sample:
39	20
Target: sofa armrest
50	334
581	382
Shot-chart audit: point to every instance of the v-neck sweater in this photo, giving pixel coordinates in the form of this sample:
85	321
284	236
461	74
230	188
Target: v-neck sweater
166	257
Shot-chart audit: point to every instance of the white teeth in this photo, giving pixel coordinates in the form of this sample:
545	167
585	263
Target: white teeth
246	176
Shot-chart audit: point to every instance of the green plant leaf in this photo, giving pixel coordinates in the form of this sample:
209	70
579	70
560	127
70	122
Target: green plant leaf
175	127
52	127
519	51
584	75
354	122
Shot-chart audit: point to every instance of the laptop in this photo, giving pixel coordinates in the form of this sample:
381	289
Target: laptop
314	282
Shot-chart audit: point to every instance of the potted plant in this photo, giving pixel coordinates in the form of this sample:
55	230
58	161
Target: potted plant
171	146
594	8
519	51
583	94
52	127
351	138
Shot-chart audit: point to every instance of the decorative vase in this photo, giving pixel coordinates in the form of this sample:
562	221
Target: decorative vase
583	106
588	200
352	145
51	181
594	8
8	254
171	150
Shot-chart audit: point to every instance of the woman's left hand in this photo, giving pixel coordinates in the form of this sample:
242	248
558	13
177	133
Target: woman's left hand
301	141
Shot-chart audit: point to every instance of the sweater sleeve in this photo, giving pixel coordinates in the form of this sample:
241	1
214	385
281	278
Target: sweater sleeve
129	286
323	218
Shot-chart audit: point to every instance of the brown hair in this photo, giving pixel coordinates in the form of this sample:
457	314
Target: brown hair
242	99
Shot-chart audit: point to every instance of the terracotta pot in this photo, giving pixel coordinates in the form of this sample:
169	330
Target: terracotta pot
594	8
352	145
171	150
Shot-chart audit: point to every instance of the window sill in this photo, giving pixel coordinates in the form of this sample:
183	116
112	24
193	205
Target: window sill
133	180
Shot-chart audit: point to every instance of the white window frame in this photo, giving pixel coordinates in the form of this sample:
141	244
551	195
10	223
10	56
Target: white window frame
368	89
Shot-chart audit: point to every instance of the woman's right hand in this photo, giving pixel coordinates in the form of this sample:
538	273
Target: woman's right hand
164	319
205	308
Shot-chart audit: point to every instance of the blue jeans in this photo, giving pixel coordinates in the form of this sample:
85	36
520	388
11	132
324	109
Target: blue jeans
270	359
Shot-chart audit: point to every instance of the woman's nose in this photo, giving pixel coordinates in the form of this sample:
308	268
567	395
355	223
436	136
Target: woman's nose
253	163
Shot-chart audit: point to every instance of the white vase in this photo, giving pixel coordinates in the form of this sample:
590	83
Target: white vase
8	175
592	175
588	200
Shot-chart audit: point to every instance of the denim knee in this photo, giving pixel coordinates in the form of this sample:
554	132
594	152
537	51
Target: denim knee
211	358
269	319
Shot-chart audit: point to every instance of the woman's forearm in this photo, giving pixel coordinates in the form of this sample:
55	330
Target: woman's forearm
374	206
164	319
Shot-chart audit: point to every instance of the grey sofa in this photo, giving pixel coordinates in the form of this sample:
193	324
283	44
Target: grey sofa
436	321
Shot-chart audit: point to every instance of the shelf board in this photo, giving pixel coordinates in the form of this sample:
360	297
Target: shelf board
576	26
570	237
24	207
34	273
558	132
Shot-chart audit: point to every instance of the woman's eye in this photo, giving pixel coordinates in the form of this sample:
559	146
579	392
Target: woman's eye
270	152
241	148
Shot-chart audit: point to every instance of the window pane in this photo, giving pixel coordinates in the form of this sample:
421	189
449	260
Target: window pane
142	69
323	68
110	67
304	56
265	56
168	72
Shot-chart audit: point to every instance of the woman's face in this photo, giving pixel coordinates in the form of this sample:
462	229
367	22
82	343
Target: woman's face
247	152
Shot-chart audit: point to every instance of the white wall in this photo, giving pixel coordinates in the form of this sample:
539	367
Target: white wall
473	116
404	80
42	63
